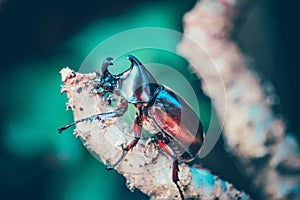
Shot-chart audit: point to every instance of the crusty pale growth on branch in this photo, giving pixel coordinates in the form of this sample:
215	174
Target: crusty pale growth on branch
252	132
149	172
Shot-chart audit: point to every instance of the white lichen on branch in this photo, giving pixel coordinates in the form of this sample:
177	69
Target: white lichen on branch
147	171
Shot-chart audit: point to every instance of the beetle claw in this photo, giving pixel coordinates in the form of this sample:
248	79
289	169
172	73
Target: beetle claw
108	167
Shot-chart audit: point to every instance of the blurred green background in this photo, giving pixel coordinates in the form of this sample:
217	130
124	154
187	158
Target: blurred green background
38	38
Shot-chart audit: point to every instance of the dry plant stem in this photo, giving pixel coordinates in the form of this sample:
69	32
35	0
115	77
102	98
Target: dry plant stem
253	133
145	169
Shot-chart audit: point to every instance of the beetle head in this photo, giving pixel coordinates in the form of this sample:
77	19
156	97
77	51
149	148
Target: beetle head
136	84
107	81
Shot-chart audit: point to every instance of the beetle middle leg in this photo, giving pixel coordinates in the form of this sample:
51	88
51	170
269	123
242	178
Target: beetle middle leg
137	127
137	131
175	168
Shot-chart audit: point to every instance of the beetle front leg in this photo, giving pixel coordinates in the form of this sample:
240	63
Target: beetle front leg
92	118
175	168
122	108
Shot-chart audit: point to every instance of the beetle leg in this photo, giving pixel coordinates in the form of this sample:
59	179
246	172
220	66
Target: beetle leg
117	113
110	167
137	131
175	168
137	127
175	178
122	108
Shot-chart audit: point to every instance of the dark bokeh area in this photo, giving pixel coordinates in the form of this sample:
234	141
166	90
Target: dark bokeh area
270	35
38	38
287	55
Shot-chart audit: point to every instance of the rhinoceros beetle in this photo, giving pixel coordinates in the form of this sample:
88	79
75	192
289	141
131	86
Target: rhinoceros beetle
174	126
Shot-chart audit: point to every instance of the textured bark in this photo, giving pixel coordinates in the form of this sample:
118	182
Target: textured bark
146	169
254	134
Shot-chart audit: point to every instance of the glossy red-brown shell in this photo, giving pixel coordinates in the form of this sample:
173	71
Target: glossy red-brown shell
177	119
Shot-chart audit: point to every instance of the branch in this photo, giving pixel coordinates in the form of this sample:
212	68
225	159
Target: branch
146	169
254	134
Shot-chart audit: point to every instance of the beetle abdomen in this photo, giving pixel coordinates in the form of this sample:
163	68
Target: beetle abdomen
178	120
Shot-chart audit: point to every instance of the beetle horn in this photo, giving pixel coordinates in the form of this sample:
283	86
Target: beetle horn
133	60
137	84
107	62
